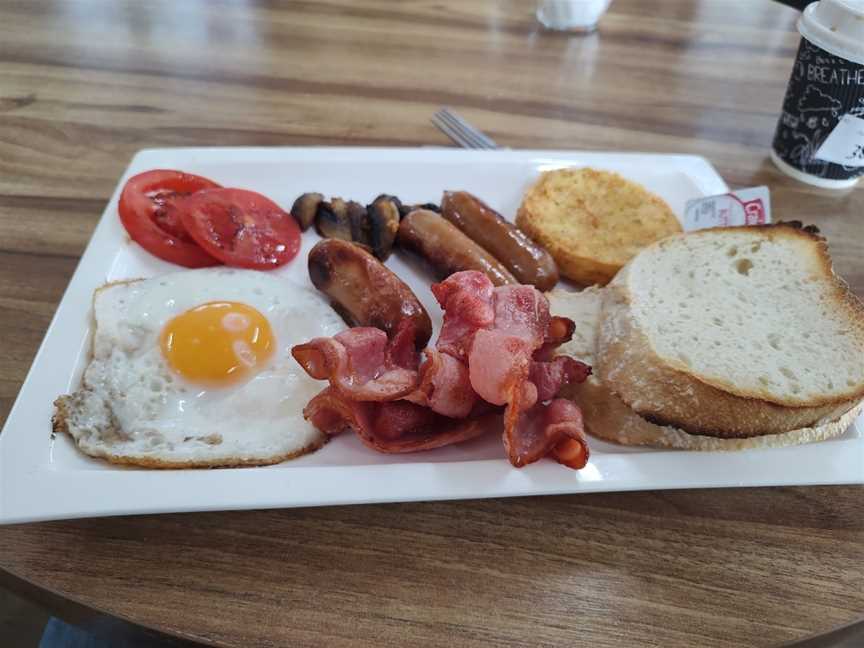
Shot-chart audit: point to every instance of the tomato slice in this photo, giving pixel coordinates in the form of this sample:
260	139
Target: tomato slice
149	210
241	228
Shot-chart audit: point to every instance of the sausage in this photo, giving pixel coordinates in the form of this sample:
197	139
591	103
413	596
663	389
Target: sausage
447	249
364	292
528	262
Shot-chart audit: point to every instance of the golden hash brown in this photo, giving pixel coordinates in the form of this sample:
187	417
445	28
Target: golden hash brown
592	222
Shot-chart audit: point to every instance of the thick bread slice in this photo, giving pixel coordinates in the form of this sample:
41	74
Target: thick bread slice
607	417
592	222
583	308
669	396
733	332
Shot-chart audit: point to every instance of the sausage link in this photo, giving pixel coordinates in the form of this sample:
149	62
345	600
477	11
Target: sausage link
365	292
447	249
528	262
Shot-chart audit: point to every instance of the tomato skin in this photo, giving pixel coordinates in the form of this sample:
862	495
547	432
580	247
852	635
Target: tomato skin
241	228
150	206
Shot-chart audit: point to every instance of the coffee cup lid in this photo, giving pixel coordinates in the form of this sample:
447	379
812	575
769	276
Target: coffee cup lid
837	26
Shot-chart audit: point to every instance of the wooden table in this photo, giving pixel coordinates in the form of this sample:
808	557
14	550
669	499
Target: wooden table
84	84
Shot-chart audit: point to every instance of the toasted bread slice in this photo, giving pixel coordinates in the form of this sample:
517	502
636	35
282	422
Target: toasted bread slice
607	417
733	332
592	222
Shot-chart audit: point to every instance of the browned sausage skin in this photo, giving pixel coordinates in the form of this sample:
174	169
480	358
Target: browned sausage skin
363	291
528	262
447	249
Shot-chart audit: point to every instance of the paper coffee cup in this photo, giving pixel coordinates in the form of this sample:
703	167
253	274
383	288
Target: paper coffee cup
820	133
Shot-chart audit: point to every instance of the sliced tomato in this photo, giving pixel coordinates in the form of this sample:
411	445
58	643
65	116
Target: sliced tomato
241	228
149	211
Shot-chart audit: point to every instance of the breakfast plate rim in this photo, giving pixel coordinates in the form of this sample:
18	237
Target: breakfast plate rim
32	489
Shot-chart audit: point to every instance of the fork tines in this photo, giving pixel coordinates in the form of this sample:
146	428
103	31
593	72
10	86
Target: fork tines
461	131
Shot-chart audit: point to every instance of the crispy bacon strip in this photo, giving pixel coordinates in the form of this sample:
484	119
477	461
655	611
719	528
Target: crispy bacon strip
549	377
444	385
393	427
500	356
510	364
466	299
402	350
559	331
496	348
546	428
361	364
537	424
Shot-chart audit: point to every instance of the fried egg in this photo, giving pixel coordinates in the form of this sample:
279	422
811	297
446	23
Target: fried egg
194	368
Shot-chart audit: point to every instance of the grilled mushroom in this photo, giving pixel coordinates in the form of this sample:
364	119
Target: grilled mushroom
304	209
331	220
404	210
361	226
384	223
392	198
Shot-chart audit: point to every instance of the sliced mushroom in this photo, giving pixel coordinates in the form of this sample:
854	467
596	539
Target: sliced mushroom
361	226
384	223
331	220
430	206
404	210
304	209
339	206
392	198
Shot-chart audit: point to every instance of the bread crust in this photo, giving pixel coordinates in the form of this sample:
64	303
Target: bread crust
587	258
607	417
666	395
665	391
844	300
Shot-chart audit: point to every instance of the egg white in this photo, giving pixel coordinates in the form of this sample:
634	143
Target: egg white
132	408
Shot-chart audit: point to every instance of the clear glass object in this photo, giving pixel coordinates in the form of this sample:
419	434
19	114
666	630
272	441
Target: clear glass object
571	15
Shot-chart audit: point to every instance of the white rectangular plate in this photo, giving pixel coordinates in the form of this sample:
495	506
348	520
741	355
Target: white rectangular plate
47	478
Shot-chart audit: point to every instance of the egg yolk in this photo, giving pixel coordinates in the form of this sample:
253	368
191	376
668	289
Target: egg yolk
218	343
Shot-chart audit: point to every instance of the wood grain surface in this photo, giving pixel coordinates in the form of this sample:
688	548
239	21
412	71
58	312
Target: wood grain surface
85	84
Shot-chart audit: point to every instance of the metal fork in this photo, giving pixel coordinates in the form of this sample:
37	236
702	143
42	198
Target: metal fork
461	132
